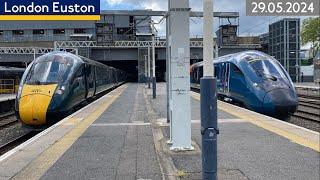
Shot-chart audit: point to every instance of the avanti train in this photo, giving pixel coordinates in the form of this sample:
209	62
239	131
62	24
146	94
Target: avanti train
56	83
254	80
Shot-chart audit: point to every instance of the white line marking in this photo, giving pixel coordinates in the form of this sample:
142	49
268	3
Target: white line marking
120	124
163	121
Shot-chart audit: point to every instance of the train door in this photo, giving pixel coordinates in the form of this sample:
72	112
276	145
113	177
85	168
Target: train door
226	77
90	80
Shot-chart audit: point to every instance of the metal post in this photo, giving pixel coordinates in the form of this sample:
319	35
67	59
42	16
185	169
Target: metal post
209	124
145	68
149	71
154	83
168	76
34	53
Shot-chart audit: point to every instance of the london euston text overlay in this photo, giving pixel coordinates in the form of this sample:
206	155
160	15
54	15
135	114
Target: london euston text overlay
55	7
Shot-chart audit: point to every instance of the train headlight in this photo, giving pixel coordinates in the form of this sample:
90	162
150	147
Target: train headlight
61	90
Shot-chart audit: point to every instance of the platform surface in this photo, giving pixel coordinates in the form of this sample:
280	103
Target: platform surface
247	149
309	85
6	97
114	138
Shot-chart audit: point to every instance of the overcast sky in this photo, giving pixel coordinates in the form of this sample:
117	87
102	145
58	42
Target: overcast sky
249	25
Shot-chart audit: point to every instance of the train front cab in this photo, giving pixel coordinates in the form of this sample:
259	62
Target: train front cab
259	83
270	84
42	88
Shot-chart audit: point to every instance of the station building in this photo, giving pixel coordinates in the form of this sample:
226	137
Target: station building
284	45
112	40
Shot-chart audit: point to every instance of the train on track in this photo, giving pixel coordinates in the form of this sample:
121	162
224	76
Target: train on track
253	80
55	84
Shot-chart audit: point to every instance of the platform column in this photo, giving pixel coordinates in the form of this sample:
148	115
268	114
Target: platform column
154	82
179	57
146	68
209	124
168	70
149	71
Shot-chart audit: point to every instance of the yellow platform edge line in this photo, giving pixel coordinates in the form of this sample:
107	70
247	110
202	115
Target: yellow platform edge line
288	135
50	17
37	168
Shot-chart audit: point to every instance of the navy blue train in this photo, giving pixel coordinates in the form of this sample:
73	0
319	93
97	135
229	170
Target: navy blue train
55	84
253	80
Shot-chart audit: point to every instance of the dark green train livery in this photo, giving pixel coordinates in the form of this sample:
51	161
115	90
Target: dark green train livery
55	84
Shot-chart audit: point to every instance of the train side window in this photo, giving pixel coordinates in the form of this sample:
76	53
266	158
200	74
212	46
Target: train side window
216	70
78	77
237	71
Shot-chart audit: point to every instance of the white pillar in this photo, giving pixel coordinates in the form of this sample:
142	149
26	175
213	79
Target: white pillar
208	69
179	56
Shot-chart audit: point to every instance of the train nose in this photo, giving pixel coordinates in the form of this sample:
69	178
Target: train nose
34	103
280	103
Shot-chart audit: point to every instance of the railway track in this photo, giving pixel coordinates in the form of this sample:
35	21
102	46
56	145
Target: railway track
16	142
7	119
308	113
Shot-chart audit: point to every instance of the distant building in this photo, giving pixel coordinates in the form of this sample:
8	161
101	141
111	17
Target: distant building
111	27
264	41
284	44
227	35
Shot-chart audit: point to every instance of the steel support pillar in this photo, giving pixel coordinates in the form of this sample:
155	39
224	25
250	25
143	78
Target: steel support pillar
179	57
209	127
154	81
168	73
149	70
146	69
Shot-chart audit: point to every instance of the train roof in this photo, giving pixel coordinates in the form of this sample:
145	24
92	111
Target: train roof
77	57
237	57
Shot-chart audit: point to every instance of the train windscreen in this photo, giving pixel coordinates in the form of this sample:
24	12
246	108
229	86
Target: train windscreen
50	70
266	68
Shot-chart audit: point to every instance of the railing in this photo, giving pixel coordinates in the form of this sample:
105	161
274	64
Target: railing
119	44
32	50
7	86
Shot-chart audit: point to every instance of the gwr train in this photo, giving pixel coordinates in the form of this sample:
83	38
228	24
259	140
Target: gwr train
254	80
56	83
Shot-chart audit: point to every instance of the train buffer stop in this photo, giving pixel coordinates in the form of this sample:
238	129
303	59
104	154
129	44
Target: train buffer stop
123	135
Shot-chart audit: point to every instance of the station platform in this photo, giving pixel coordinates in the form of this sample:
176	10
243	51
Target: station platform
123	136
7	97
307	85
